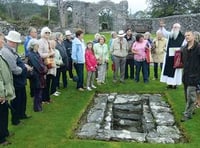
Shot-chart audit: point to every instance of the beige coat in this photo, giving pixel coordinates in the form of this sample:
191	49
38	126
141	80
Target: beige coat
115	48
44	52
158	50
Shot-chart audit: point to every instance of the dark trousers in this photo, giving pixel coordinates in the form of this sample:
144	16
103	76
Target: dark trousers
144	66
156	69
3	122
31	88
79	70
148	69
19	105
70	68
50	88
61	71
129	64
37	103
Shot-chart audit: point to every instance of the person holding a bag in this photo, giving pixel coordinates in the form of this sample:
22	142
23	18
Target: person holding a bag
191	73
170	75
138	48
47	55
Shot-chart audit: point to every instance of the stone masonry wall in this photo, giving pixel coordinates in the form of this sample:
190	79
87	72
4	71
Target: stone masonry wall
86	15
188	22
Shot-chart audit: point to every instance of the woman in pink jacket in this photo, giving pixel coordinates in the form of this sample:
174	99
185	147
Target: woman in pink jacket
91	65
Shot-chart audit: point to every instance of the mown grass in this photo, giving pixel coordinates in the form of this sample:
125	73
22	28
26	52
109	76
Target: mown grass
54	127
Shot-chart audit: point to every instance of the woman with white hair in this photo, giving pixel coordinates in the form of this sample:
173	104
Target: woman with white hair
158	51
37	79
102	56
46	52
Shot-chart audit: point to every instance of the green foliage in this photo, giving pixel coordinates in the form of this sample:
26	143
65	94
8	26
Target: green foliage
37	20
169	7
26	13
54	127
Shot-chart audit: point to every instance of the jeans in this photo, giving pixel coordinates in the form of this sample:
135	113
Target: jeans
144	66
129	64
79	70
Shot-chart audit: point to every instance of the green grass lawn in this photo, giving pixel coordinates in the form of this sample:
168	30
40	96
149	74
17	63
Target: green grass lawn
53	128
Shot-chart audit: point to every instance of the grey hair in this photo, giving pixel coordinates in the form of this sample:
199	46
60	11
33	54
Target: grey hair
30	29
32	43
57	35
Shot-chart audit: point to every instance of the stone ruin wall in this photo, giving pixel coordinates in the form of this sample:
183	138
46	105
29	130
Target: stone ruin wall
88	18
188	22
86	15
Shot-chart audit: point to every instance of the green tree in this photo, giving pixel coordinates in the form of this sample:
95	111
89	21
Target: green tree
161	8
15	7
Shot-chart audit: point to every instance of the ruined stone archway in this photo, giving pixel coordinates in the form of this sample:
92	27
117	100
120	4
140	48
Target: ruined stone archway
105	20
86	15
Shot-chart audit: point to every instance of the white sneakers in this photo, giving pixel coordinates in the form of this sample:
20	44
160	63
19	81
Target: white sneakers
90	88
93	86
57	93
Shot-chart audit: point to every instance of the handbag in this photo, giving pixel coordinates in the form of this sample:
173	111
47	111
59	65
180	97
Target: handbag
177	59
148	59
49	62
113	67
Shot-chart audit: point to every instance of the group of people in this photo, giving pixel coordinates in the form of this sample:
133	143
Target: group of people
45	60
52	55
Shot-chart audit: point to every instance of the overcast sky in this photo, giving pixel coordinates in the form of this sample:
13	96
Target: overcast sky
134	5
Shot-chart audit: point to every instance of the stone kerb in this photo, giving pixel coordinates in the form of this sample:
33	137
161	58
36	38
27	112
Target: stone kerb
130	117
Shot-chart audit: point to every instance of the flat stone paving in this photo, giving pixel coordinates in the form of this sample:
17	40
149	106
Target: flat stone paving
130	117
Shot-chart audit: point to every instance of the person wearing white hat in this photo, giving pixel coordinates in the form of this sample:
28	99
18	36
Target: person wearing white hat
6	80
68	45
45	52
119	51
19	71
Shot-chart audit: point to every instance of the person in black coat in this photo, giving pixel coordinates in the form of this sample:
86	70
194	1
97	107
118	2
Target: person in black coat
191	73
37	79
63	52
68	45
